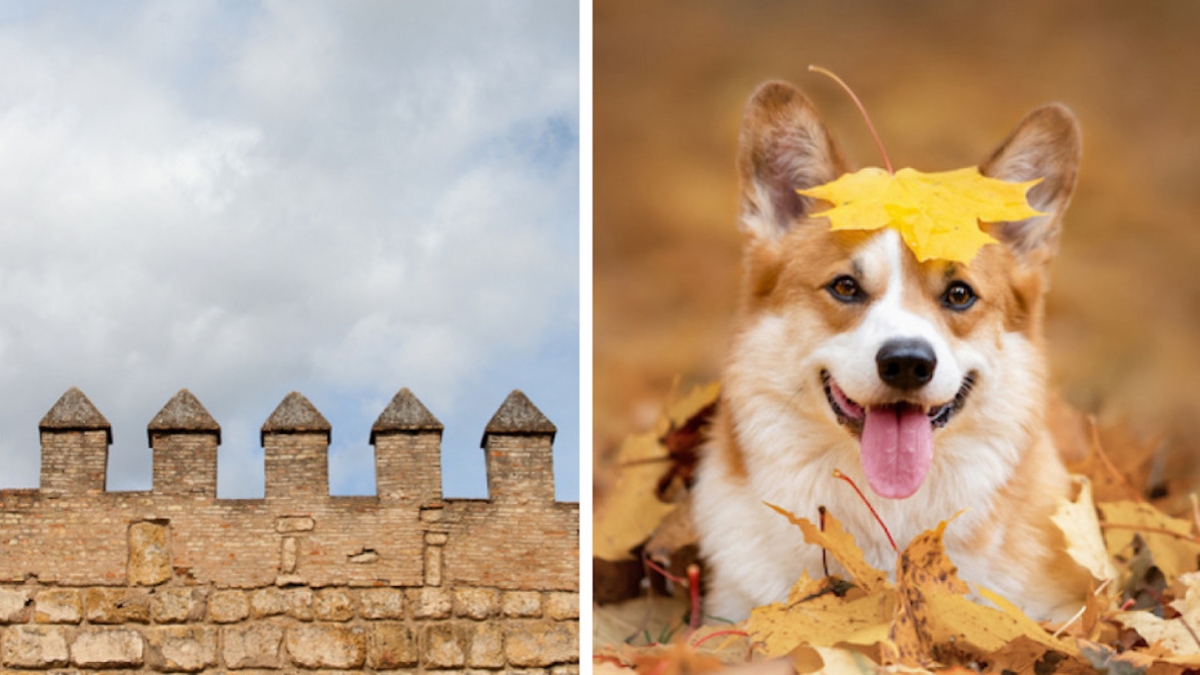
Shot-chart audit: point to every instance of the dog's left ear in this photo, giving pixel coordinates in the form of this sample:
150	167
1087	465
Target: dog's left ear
1047	144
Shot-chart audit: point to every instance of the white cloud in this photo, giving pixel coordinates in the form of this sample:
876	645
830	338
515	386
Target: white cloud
338	197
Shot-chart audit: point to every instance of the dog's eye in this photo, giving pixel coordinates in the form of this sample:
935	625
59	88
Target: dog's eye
846	289
958	296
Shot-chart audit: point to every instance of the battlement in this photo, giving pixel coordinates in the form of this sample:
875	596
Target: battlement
517	444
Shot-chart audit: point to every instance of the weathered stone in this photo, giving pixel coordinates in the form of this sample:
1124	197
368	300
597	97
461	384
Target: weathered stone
285	524
116	605
149	554
541	643
333	604
58	605
228	606
107	648
381	603
522	604
253	646
35	647
288	551
436	538
443	647
391	646
15	605
267	602
570	669
187	649
325	646
300	603
561	605
430	603
177	605
433	565
476	603
487	646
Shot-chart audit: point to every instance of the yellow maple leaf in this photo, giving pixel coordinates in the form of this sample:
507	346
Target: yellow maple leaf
937	214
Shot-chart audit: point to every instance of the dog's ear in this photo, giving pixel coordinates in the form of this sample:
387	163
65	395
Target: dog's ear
1047	144
783	147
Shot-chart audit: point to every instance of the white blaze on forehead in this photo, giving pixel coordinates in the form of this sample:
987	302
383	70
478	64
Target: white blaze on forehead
850	357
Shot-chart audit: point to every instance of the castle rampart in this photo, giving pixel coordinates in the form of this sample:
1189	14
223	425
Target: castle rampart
176	580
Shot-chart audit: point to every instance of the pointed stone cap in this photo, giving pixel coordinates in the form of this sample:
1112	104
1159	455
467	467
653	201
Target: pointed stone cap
183	414
405	413
74	412
296	415
518	416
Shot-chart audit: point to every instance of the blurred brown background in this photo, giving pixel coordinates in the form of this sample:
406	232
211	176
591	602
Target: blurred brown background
944	82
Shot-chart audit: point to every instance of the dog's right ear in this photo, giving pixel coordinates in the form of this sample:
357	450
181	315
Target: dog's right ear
783	147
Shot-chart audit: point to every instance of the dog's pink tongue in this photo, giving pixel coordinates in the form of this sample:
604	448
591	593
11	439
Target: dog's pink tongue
897	448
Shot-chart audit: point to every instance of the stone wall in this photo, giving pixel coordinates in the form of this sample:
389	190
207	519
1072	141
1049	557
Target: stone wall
176	580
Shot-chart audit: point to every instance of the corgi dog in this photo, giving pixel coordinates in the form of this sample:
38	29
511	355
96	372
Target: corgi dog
925	382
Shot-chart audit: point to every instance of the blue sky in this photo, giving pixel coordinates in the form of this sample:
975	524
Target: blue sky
249	198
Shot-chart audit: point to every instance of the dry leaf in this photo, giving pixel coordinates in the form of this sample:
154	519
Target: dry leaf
1081	527
937	214
823	620
841	546
1174	554
631	509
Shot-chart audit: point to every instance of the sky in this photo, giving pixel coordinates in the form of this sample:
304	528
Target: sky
250	198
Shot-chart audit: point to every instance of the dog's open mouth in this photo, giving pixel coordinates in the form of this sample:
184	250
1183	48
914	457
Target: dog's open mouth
852	415
896	439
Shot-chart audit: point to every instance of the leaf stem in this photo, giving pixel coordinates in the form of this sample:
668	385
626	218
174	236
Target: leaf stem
878	143
839	474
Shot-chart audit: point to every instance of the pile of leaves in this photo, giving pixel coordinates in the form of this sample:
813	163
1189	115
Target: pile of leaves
1143	615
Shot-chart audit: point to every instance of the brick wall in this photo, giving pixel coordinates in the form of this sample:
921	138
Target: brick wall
176	580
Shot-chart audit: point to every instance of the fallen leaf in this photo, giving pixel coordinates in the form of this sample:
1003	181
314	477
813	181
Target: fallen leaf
937	214
1170	540
631	509
678	659
1081	527
841	546
822	620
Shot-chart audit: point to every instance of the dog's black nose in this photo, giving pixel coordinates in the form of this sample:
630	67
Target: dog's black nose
906	363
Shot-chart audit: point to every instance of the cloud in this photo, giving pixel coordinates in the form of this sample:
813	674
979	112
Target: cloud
244	199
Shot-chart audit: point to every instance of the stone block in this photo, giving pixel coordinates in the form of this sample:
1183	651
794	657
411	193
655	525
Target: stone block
381	603
443	647
267	602
300	603
149	554
391	646
487	646
181	649
326	646
108	648
15	605
561	605
35	647
285	524
333	604
177	605
58	605
570	669
116	605
476	603
522	604
228	606
541	643
430	603
254	645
